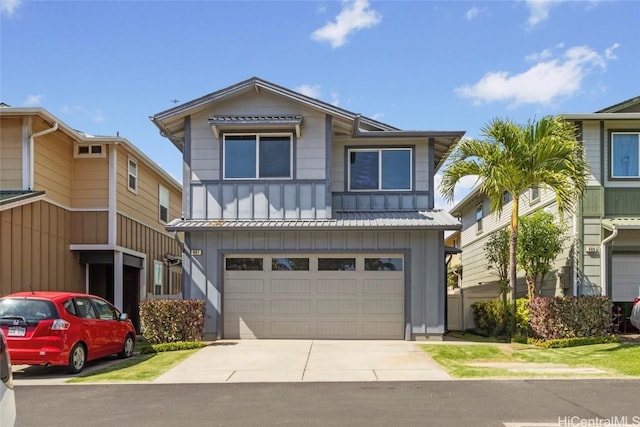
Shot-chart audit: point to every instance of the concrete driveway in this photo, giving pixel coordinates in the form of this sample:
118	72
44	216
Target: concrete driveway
229	361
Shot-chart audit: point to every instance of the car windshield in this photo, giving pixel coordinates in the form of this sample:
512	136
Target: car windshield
29	309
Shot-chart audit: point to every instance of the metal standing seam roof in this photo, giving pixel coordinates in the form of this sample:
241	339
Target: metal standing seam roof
430	220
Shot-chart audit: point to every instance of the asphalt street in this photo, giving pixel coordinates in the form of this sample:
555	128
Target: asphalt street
435	403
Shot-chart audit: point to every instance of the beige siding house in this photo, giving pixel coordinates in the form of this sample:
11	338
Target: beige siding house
305	220
83	213
601	255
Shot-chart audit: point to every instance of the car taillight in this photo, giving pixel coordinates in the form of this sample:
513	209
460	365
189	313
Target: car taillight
60	325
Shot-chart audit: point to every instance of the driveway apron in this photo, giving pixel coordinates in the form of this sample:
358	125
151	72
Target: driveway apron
306	361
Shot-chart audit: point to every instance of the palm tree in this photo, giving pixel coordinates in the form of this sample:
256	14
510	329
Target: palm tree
513	158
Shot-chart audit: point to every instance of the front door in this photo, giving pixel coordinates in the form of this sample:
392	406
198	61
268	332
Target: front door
131	294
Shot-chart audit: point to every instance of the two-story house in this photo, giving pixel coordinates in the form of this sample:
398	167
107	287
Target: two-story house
305	220
83	213
601	254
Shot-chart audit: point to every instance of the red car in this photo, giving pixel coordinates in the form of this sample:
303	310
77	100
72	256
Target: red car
63	328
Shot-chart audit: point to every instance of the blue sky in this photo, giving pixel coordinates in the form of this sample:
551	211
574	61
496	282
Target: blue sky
106	66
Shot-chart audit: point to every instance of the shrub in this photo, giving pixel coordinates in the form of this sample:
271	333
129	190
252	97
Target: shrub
573	342
166	321
493	318
172	346
570	317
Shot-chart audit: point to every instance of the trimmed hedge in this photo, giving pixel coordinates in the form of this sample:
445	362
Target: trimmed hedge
573	342
570	317
172	346
493	319
167	320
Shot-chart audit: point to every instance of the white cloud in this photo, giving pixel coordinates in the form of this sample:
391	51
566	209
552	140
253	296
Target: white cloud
539	11
312	91
609	52
377	116
32	101
95	115
560	75
474	12
355	15
464	186
335	99
8	7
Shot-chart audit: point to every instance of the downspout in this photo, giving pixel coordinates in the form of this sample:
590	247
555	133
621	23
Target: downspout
603	260
32	150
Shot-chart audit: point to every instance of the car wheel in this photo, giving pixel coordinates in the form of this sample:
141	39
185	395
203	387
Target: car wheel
127	348
77	359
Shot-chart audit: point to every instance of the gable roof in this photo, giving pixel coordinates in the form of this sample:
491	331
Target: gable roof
625	110
13	198
82	137
171	122
631	105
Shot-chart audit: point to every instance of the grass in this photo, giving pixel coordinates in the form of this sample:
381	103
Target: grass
617	359
139	368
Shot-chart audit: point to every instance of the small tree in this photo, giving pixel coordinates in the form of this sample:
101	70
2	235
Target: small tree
453	279
540	242
496	249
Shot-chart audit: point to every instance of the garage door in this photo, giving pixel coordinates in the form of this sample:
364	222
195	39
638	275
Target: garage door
314	296
626	278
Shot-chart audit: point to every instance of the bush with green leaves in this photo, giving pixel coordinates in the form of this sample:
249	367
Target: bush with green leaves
172	346
570	317
493	318
573	342
168	320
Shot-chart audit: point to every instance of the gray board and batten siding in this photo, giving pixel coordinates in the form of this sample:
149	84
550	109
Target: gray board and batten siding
423	294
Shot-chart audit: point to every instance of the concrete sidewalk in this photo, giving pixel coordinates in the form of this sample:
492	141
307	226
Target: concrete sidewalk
306	361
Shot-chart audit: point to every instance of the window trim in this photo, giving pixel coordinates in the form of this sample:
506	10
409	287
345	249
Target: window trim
258	135
379	150
131	161
90	154
534	199
613	177
160	206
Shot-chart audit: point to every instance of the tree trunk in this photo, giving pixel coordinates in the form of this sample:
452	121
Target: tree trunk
513	246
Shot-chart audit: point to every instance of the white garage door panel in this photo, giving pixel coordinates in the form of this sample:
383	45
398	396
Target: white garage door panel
313	304
626	277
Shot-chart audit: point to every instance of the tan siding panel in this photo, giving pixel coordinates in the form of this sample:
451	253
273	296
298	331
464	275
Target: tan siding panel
10	153
91	182
53	158
31	259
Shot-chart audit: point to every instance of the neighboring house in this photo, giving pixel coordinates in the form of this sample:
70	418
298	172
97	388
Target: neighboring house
603	235
83	213
305	220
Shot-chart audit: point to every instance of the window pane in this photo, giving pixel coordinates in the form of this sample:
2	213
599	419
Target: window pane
83	149
236	264
383	264
96	149
363	170
240	157
133	168
625	155
396	169
336	264
290	264
275	157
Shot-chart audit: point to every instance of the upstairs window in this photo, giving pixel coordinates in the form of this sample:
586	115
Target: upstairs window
258	156
534	194
479	215
133	176
625	155
383	169
89	150
506	197
163	201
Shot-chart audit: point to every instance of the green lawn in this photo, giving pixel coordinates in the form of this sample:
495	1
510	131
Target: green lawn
143	367
615	359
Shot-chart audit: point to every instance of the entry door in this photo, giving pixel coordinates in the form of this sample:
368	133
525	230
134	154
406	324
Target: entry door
131	294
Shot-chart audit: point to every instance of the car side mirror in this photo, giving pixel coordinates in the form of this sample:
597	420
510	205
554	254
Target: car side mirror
124	316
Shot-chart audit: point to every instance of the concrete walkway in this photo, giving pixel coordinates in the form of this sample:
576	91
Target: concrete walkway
306	361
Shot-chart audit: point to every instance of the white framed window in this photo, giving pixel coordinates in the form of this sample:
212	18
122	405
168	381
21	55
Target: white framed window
506	197
534	194
258	156
479	216
132	181
163	204
380	169
158	277
625	155
89	150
